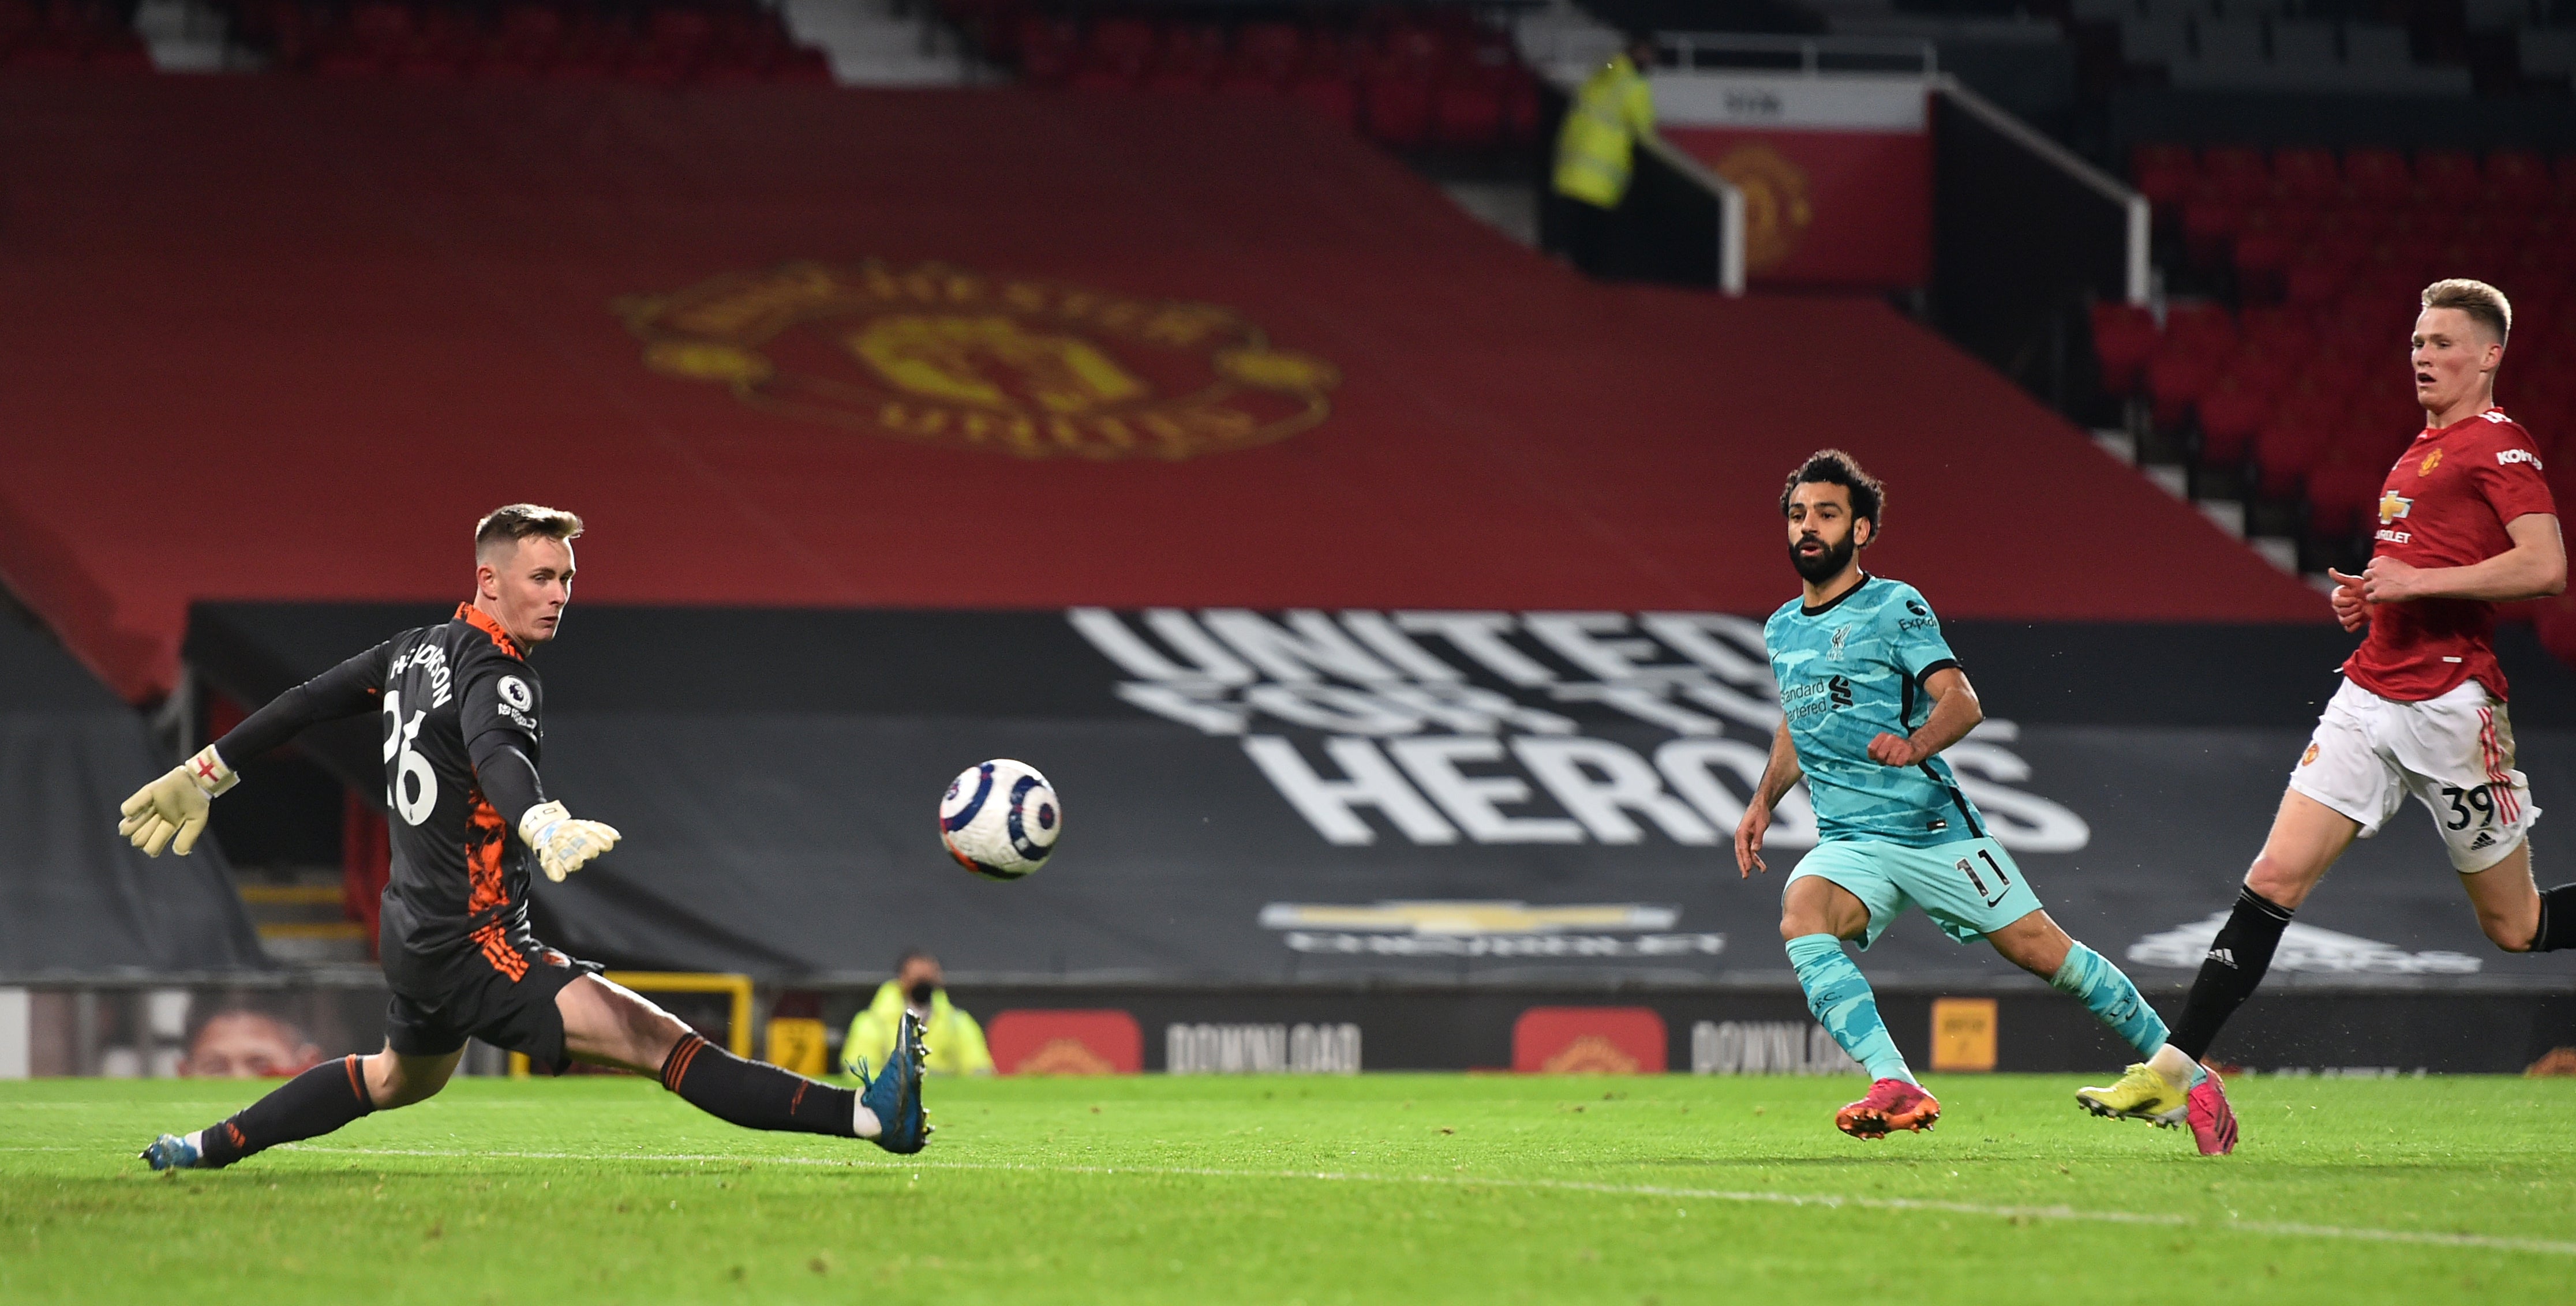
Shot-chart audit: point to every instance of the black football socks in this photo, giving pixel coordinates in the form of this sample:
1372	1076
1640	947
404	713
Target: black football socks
2557	920
755	1094
2235	964
308	1106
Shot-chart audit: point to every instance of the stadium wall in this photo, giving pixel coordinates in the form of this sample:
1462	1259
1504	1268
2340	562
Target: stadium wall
179	1026
1298	798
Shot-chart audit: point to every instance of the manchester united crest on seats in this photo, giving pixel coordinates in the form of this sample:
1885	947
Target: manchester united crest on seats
942	355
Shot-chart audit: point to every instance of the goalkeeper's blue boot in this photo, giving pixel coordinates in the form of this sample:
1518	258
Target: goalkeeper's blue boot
894	1094
171	1152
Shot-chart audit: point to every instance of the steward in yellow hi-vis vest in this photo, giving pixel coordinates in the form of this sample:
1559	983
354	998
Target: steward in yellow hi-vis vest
955	1041
1594	148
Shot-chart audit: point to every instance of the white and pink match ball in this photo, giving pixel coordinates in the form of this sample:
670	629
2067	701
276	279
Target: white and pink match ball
1000	819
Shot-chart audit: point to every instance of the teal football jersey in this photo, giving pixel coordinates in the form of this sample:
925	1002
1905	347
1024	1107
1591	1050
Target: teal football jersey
1849	671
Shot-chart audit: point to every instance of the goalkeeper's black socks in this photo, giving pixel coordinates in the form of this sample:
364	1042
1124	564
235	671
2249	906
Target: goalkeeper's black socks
2557	920
308	1106
755	1094
2235	964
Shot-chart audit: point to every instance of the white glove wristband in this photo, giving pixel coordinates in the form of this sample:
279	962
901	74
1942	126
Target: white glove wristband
540	819
207	769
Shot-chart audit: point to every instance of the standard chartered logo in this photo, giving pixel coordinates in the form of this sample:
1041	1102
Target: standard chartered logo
1498	728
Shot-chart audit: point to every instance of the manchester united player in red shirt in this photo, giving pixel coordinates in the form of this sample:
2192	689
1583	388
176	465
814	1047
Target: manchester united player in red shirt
2465	523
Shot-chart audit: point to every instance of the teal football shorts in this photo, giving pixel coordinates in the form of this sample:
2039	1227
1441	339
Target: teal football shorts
1970	888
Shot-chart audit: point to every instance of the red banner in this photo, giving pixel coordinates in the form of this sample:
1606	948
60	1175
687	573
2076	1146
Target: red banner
1588	1040
1826	208
1066	1043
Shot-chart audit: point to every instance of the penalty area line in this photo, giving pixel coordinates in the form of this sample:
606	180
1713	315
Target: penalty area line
1830	1201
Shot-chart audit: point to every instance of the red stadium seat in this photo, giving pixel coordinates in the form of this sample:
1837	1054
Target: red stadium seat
1265	56
2452	174
343	54
687	29
2262	257
2235	172
118	52
2210	222
2124	338
2379	176
2176	378
2288	446
2518	177
2232	413
1189	60
1116	55
2200	328
591	52
1048	50
535	24
2308	175
1520	104
802	66
2280	337
1329	92
1398	100
2554	622
2165	174
380	23
1468	110
2343	493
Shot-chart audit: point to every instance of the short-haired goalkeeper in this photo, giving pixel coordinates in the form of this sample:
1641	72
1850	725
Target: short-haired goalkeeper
1869	697
462	713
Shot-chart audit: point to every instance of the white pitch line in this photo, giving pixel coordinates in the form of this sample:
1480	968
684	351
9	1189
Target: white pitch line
1830	1201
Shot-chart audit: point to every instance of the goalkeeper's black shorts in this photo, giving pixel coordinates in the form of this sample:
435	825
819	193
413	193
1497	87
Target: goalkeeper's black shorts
498	988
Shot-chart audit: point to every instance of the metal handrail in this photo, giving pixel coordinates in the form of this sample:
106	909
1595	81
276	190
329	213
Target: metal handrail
1730	209
2135	272
1812	51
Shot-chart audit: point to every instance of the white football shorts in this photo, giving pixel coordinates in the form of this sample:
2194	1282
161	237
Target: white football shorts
2454	753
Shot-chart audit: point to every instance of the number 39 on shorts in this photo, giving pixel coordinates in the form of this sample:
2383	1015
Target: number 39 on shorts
2482	798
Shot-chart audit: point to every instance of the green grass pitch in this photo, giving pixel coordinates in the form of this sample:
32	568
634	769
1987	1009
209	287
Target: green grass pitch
1379	1188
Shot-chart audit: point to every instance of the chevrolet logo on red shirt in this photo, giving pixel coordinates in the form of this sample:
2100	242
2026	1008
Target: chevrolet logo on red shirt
2392	506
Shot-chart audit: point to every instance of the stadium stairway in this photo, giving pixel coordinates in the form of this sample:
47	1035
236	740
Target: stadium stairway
880	42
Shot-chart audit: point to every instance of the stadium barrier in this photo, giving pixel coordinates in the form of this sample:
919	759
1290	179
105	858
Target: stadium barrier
219	1027
1680	224
2024	236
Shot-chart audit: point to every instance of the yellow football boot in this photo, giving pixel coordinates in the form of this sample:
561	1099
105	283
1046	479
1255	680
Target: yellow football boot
2141	1094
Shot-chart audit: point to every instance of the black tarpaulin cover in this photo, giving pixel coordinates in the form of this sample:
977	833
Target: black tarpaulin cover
74	897
1281	797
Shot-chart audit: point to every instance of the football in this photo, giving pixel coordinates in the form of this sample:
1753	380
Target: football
1000	819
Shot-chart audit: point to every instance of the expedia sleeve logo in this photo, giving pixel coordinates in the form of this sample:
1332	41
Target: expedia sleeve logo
940	355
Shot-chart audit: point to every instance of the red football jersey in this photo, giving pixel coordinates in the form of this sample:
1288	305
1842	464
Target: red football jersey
2445	504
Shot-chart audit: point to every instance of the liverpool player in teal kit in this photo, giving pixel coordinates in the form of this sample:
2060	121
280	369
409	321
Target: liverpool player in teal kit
1869	696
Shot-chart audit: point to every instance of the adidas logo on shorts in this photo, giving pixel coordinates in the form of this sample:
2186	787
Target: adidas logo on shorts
2484	840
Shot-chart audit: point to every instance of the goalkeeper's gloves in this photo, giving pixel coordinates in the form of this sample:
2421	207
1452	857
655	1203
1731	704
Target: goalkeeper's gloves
171	812
562	844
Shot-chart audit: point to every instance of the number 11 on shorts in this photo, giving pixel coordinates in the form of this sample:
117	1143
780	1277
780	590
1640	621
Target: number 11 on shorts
2003	882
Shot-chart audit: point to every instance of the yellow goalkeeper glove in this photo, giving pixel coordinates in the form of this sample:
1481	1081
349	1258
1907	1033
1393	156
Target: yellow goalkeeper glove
171	812
562	844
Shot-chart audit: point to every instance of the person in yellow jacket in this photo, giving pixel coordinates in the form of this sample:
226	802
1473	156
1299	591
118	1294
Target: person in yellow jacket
955	1041
1596	149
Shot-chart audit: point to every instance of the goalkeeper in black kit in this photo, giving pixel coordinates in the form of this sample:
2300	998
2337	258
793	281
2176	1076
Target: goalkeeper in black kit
462	714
